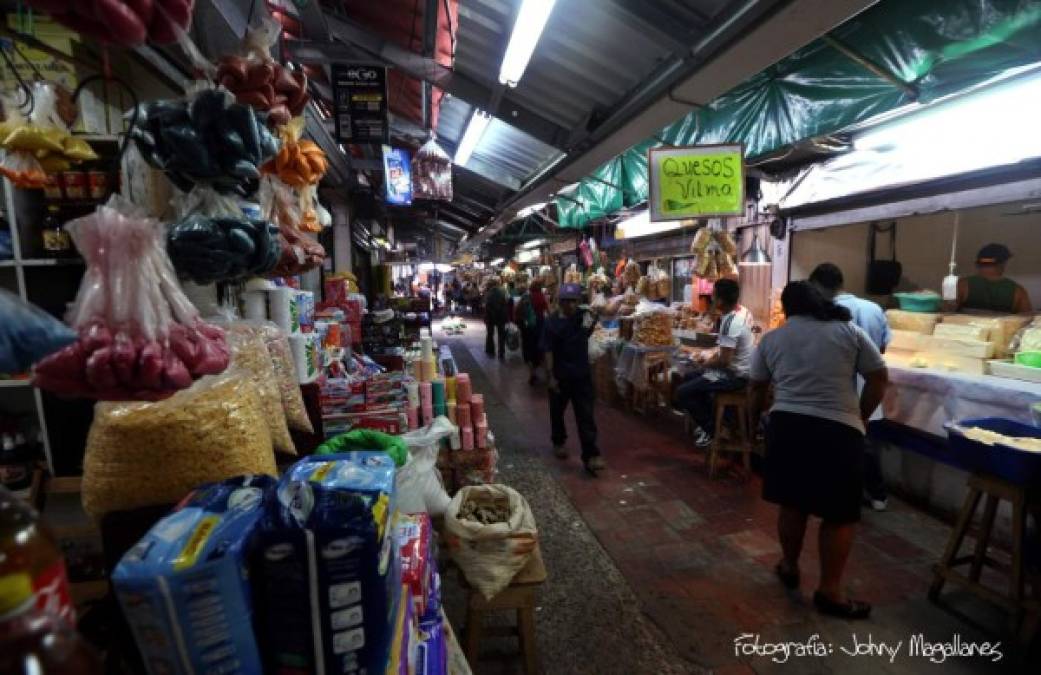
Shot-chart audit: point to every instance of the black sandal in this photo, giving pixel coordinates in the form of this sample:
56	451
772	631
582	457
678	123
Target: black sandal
789	579
851	609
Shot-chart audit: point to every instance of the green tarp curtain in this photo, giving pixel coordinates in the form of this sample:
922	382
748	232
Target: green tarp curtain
938	46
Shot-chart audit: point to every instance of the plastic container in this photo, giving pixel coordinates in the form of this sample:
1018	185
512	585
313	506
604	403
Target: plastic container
1020	467
919	302
1031	359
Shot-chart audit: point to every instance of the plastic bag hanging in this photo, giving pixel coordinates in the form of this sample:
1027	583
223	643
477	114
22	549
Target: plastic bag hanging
432	173
117	22
139	336
259	81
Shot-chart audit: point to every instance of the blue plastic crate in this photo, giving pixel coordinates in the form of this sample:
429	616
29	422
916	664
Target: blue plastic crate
1020	467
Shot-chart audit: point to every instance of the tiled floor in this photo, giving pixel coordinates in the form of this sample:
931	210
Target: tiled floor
698	553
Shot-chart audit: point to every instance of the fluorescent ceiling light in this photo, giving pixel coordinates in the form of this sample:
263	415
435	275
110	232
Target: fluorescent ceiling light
471	137
528	210
534	243
992	127
527	256
531	20
640	225
497	261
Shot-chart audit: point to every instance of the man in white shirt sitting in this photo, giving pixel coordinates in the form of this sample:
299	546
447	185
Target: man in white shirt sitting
870	317
727	370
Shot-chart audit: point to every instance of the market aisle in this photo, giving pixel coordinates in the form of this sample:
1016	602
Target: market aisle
697	554
585	606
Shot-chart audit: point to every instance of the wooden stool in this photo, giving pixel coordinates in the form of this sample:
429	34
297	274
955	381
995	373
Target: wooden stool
519	596
738	402
1024	611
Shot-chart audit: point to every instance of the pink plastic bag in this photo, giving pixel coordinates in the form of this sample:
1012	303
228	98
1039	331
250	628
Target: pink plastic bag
140	338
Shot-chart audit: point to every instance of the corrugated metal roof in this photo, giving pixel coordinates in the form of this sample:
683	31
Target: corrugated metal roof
504	155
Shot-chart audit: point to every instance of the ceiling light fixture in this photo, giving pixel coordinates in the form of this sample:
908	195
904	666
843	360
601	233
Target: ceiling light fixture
527	29
471	137
534	243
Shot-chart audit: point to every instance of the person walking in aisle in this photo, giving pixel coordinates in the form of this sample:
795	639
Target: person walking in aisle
870	317
495	315
530	316
727	370
815	437
565	342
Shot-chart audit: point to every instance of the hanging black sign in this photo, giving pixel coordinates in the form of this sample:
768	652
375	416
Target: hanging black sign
360	103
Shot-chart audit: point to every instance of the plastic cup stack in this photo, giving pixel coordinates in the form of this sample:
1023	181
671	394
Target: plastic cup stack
481	434
427	370
426	398
426	348
417	369
466	435
477	406
451	411
412	389
437	390
413	417
450	388
462	416
462	388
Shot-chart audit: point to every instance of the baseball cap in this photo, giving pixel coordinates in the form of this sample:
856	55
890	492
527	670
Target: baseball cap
993	254
570	292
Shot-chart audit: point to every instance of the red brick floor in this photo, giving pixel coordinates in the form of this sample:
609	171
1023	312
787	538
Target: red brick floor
699	553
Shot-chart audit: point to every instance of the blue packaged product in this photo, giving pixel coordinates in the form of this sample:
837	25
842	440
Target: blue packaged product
329	586
184	587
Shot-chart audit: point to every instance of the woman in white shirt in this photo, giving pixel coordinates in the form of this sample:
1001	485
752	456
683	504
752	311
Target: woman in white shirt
815	439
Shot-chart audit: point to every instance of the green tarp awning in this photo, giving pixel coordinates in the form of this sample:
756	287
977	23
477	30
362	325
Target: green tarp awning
939	47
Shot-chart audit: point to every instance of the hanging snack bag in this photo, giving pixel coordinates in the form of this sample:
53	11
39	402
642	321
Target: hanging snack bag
251	359
140	338
149	454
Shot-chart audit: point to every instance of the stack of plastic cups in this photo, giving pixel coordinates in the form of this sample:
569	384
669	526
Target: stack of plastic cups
450	409
417	368
462	388
413	417
481	433
437	390
450	388
426	402
462	416
477	407
426	348
466	435
426	370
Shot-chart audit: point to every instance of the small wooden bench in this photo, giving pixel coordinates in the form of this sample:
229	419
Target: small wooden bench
519	596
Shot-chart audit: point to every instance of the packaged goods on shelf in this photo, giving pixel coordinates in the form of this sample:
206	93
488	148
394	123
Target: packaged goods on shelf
144	454
184	588
653	325
958	331
416	550
917	322
328	582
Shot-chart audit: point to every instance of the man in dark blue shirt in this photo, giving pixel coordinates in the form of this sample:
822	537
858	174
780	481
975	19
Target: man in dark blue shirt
565	341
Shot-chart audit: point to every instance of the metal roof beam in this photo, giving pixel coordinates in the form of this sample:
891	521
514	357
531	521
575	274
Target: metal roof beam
652	20
425	70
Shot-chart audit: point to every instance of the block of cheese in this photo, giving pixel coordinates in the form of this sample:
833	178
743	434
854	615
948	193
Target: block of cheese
978	349
962	331
1002	327
949	362
918	322
905	340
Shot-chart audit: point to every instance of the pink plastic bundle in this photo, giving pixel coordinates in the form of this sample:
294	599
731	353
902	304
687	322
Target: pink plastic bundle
140	338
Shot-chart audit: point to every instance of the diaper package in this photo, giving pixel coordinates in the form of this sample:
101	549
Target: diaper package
184	587
329	578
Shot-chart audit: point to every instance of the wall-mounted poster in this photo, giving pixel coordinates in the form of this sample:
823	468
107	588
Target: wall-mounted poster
360	103
397	173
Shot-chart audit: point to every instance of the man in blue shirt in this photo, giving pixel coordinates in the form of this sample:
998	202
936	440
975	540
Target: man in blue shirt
565	342
870	317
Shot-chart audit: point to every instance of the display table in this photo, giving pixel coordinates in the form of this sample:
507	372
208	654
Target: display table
634	361
924	398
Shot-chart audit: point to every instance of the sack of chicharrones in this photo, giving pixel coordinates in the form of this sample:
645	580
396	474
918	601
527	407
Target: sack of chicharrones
149	454
490	532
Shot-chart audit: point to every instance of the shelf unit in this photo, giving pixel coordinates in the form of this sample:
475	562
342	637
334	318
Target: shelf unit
19	265
45	282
